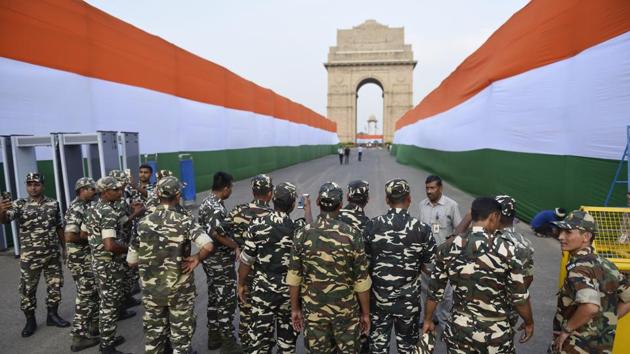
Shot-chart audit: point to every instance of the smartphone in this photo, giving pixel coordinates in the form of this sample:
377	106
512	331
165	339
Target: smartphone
301	201
7	196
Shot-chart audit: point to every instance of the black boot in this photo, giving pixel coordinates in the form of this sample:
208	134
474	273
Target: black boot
31	324
125	314
79	343
131	302
53	318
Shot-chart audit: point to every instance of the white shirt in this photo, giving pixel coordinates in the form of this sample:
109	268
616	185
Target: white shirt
443	217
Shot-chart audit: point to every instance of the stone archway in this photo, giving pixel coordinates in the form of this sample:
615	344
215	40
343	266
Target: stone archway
369	53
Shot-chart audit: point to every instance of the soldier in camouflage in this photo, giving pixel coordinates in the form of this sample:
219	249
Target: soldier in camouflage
129	208
268	246
152	201
328	280
398	247
41	239
594	294
103	226
236	223
487	280
524	248
353	213
80	265
219	269
166	269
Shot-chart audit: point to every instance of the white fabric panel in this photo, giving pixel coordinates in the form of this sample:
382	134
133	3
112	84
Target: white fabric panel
579	107
38	100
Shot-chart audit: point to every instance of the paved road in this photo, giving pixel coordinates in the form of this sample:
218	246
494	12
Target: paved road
377	167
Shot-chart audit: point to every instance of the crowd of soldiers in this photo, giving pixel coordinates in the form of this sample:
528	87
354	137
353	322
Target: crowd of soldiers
347	282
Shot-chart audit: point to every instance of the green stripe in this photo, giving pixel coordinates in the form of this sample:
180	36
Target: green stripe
537	181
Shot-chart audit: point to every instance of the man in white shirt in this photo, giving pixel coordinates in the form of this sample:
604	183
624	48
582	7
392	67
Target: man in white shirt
442	214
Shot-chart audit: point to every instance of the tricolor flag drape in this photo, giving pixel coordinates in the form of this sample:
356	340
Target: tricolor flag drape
539	111
67	66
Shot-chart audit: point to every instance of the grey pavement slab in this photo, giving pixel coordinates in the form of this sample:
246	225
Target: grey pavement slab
377	167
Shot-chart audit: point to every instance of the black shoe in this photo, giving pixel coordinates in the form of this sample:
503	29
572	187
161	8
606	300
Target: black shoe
135	289
53	318
79	343
31	324
125	314
131	302
118	340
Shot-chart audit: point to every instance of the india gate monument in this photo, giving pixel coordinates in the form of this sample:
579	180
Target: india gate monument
369	53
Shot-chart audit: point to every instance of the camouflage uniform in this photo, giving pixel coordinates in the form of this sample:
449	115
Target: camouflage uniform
103	222
591	279
487	279
80	264
169	295
39	247
219	269
397	246
353	214
524	248
328	263
237	222
268	246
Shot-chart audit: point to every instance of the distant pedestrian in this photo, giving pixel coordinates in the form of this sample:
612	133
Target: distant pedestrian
346	152
340	153
360	152
542	223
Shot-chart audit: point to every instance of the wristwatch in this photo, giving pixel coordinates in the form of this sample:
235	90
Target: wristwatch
566	329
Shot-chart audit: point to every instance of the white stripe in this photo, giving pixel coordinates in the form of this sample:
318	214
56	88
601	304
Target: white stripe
38	100
579	107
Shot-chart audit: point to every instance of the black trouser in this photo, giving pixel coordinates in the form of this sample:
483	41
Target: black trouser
341	159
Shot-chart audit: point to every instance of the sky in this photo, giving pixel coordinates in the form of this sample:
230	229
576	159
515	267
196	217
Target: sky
282	44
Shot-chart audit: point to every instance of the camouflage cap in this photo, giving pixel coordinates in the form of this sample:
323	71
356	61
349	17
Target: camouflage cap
330	194
261	183
508	205
120	176
34	177
164	173
84	182
108	183
285	192
578	220
397	188
358	188
168	187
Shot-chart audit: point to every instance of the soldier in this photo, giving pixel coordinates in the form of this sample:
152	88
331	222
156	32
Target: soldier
237	222
328	280
524	248
145	187
103	226
398	246
80	265
487	280
594	294
268	246
220	271
41	238
166	270
353	214
152	200
129	209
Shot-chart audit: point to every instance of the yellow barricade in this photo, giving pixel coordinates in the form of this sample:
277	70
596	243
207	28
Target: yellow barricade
613	242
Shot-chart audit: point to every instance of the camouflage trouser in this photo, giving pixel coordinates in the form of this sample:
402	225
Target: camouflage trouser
405	324
245	314
31	268
86	303
174	323
443	310
221	277
332	335
271	313
576	345
109	278
467	335
130	276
